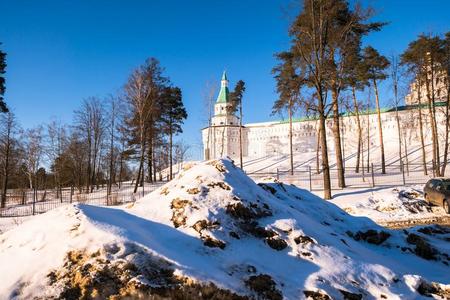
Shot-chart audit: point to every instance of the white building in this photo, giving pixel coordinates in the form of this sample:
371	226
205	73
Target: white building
269	139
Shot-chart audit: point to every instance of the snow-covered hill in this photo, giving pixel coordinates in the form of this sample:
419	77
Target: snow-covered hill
214	232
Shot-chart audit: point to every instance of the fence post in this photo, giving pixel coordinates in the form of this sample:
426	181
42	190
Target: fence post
71	193
373	176
432	167
402	166
278	175
23	197
143	187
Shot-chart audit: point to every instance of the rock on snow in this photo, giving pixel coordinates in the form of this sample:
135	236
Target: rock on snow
214	226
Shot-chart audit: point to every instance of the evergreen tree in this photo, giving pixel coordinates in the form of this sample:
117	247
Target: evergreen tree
323	34
143	93
425	55
288	88
236	100
414	60
376	65
3	107
356	78
445	66
173	115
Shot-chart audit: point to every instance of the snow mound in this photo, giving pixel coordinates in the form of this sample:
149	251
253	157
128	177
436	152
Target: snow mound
213	225
388	205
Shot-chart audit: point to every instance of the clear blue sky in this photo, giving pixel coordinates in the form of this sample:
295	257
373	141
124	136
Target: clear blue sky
60	52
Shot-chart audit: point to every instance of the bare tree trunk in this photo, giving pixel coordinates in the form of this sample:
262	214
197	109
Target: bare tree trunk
422	140
397	118
358	123
120	170
318	151
291	153
325	164
432	113
141	161
150	160
368	133
88	170
380	128
154	160
406	154
170	152
337	140
447	128
240	136
394	77
111	149
9	124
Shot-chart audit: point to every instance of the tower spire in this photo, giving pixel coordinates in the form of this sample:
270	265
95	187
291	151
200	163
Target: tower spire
224	93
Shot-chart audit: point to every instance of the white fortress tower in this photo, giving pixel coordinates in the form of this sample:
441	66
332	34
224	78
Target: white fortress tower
221	138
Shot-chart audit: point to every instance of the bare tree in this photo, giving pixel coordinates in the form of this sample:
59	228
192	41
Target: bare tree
32	153
56	140
181	153
208	97
113	116
395	65
8	130
142	93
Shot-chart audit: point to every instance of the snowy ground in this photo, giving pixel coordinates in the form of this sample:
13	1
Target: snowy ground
389	205
213	224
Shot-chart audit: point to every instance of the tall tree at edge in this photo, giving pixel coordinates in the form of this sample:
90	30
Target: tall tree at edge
376	65
236	98
173	114
3	107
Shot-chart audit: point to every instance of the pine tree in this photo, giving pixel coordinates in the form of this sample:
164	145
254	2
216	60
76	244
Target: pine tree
3	107
423	56
376	65
143	93
445	67
236	100
356	78
288	88
173	115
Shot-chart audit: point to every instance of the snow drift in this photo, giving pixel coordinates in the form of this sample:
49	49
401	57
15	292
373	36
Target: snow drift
214	232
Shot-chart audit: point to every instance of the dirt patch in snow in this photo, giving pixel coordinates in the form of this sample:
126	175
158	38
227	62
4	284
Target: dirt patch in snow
264	286
178	207
316	295
219	184
422	247
371	236
132	275
433	289
218	165
303	239
276	243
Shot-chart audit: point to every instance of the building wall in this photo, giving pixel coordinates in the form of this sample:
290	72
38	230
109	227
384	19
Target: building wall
272	138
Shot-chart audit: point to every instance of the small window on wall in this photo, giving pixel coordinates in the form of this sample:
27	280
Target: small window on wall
221	123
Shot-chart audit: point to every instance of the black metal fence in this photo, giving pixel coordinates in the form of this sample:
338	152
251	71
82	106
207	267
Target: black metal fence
28	202
367	177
